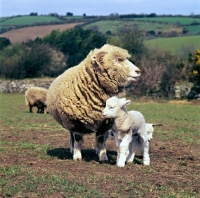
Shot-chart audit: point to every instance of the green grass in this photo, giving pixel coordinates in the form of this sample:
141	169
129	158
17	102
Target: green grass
30	184
115	25
174	44
183	119
35	158
194	29
173	20
28	20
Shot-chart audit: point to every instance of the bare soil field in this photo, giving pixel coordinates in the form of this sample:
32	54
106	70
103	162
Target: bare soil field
25	34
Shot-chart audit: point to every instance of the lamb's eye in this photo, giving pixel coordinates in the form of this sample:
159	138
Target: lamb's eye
111	107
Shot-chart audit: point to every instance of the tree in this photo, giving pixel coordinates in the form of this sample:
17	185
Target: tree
75	43
4	42
131	40
69	14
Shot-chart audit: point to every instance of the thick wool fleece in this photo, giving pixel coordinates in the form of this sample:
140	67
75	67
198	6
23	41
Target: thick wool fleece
33	95
80	93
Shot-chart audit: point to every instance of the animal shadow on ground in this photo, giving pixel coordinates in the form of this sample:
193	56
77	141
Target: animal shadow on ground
88	155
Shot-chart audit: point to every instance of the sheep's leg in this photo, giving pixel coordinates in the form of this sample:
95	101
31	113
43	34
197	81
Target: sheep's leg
71	142
123	147
100	148
31	108
132	149
100	140
143	146
76	142
38	110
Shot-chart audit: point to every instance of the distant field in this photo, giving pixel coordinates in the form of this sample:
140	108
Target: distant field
175	43
173	20
115	25
27	20
25	34
194	29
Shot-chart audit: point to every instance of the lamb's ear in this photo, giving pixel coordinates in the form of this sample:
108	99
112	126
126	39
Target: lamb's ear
125	102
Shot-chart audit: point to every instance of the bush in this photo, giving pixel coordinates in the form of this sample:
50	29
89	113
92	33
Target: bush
132	41
32	59
4	42
160	71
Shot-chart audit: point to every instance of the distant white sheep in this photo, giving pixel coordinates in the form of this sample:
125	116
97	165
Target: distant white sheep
129	131
36	96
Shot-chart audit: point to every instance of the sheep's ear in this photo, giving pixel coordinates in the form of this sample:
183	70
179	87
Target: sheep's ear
125	102
99	58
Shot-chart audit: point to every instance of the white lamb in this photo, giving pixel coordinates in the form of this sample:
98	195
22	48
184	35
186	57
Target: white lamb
129	131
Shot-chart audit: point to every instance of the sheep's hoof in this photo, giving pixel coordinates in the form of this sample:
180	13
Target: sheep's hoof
78	159
103	162
77	156
103	156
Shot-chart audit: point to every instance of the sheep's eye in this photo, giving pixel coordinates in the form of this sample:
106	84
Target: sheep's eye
111	107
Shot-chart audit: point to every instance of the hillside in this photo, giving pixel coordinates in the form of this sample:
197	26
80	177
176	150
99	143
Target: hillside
168	33
174	44
24	34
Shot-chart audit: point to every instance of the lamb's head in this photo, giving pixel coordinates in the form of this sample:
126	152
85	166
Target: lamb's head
113	68
113	107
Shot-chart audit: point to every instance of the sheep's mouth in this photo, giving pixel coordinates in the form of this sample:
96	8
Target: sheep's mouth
134	78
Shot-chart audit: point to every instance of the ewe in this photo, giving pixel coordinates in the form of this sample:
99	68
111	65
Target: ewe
36	96
77	97
129	131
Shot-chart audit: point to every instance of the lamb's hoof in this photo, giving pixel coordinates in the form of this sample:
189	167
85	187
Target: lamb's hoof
146	163
121	164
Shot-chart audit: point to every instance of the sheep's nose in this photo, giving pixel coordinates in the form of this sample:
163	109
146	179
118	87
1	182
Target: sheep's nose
137	71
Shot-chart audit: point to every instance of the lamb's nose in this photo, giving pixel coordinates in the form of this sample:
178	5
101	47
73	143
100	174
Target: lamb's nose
137	71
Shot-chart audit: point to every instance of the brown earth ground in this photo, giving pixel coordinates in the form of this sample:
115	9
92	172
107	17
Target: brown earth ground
31	33
174	165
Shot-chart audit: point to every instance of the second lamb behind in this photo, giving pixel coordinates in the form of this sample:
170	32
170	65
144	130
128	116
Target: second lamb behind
129	131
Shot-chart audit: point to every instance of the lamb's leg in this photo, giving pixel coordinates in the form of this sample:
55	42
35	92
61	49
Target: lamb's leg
132	149
144	149
117	143
100	140
76	142
123	147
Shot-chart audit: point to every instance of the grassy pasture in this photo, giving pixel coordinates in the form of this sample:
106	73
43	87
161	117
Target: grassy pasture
115	25
174	44
36	162
27	20
194	29
173	20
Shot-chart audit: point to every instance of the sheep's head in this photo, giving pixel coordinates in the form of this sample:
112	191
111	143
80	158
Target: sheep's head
113	68
113	107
